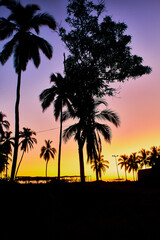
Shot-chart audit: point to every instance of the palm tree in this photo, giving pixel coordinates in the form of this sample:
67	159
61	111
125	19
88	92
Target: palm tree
88	129
57	94
3	124
24	45
6	144
101	165
123	162
133	163
26	143
46	152
143	158
3	160
154	157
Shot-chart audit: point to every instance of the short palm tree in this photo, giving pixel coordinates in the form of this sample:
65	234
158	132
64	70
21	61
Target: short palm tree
24	45
143	157
123	162
57	94
3	124
47	152
101	165
6	144
133	162
26	143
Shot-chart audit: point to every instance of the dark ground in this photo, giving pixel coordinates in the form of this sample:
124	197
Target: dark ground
124	210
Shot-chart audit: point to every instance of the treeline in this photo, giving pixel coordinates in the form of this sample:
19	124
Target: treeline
99	54
143	159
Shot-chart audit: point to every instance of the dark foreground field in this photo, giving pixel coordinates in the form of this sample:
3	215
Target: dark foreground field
71	211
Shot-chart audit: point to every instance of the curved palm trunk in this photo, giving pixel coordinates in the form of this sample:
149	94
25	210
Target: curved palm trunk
19	164
16	127
60	144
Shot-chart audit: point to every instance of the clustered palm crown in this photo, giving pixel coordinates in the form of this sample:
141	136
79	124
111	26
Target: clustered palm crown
25	44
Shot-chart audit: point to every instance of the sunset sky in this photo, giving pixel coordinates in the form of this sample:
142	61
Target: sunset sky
137	102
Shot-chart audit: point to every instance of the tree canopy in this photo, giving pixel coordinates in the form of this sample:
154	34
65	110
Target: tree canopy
99	49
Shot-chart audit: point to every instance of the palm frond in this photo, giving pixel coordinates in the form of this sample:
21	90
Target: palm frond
6	28
70	131
44	46
104	130
57	107
47	97
43	19
66	115
109	115
8	49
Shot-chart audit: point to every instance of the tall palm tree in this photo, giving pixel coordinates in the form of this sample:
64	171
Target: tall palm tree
6	144
101	165
88	129
143	157
24	45
57	94
123	162
133	162
26	143
3	124
47	152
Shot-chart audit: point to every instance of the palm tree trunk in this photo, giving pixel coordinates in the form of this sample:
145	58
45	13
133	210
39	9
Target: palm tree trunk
133	175
97	178
6	167
46	169
16	127
81	161
60	143
19	163
125	172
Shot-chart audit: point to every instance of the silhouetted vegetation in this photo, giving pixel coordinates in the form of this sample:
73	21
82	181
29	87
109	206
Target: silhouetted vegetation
99	54
26	143
24	45
6	144
145	158
99	49
47	152
58	95
88	130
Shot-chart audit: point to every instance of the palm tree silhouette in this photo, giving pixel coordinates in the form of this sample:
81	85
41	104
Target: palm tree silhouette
154	156
143	157
47	152
26	143
88	129
3	159
24	45
57	94
123	162
133	161
6	144
94	128
3	124
100	166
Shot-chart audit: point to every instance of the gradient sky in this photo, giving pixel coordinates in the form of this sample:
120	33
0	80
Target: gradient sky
137	103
